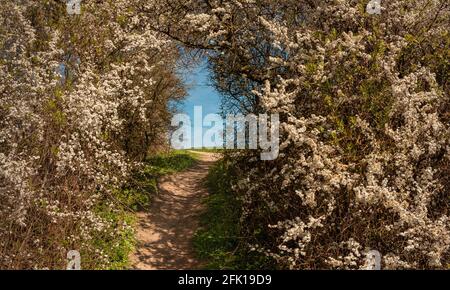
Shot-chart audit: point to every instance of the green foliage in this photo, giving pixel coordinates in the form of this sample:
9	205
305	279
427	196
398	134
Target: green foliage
135	195
217	239
219	242
53	109
210	150
116	247
169	162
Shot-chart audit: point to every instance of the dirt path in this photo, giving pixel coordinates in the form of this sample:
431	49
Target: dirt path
165	231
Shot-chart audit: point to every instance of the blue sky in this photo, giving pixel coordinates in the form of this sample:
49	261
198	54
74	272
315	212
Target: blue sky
200	93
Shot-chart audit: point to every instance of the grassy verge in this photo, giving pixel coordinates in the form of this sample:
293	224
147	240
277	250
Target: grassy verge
219	241
210	150
136	195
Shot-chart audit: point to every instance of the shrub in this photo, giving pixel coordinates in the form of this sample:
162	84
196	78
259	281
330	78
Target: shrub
83	98
363	102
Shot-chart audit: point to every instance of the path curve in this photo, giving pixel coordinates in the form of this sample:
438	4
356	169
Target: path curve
165	230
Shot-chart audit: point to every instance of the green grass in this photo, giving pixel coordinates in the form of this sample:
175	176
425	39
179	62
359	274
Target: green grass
174	161
219	241
116	247
210	150
136	195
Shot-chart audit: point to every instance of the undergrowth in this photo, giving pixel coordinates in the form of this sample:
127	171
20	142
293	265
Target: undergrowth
218	241
136	195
